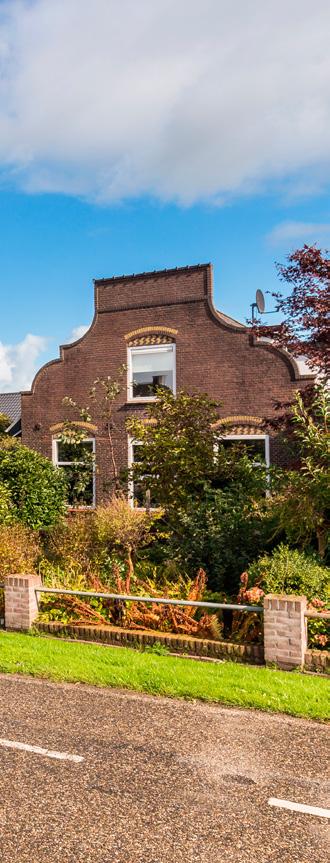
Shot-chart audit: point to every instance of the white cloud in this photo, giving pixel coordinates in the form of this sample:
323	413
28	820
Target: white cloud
304	232
20	362
180	99
77	333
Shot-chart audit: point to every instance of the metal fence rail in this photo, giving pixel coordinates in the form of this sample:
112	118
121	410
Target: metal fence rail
124	597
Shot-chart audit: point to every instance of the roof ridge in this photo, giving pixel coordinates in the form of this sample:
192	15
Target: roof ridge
150	273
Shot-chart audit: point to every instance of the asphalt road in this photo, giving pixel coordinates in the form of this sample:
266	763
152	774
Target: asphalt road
161	781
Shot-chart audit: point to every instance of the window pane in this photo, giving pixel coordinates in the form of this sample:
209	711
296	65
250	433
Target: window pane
145	385
74	452
150	370
80	485
136	450
140	491
152	361
255	449
138	494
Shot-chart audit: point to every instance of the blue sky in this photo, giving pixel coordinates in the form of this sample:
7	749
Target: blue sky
214	147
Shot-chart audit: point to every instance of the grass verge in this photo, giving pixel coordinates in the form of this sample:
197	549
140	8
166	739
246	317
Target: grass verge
228	683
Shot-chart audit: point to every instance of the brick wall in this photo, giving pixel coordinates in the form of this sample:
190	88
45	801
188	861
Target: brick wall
21	607
285	630
213	353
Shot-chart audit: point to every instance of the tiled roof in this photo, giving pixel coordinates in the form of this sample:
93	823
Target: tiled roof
10	404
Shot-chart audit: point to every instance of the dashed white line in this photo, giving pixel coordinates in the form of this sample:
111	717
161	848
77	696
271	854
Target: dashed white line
39	750
299	807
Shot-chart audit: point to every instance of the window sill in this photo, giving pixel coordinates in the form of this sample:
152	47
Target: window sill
141	400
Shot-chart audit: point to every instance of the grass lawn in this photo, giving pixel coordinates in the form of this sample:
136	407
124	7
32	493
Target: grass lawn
227	682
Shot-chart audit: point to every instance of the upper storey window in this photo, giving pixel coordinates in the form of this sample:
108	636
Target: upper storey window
150	367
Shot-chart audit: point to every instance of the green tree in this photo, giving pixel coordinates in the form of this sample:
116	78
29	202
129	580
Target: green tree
7	514
213	497
120	527
301	506
37	489
102	395
4	423
177	447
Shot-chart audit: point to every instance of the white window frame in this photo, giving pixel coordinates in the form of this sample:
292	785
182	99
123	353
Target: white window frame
244	437
57	463
132	441
130	462
147	349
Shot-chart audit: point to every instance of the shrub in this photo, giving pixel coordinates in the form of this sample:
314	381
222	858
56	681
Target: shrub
37	488
6	505
288	570
301	503
19	549
222	532
4	423
71	543
121	528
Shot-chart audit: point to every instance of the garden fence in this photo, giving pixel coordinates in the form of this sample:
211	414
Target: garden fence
284	617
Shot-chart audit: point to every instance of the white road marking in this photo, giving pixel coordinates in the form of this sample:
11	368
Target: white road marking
299	807
39	750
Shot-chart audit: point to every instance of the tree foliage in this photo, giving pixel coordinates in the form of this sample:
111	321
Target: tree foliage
304	330
4	423
119	526
6	507
102	396
37	489
290	571
19	549
301	506
176	459
224	530
212	497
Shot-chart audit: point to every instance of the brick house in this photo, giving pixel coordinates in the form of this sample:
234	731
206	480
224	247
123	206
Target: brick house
10	406
164	327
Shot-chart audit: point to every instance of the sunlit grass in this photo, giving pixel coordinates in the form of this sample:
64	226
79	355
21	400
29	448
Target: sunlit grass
227	682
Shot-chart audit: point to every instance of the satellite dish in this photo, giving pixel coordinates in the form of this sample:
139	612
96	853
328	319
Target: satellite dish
260	302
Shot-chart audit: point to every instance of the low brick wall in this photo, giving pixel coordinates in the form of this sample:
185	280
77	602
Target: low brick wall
317	660
20	600
285	631
284	617
251	653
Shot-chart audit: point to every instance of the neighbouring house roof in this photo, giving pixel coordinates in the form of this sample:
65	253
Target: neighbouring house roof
10	404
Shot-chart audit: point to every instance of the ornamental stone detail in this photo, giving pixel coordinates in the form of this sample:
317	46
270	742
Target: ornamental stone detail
151	336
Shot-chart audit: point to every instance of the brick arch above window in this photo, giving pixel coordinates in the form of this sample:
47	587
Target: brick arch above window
156	335
240	425
89	427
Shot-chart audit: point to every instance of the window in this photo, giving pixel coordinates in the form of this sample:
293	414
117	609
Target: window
136	490
257	446
150	368
139	494
77	460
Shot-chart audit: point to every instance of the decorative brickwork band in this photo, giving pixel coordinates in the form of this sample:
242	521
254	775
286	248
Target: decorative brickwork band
285	631
240	418
150	340
21	607
58	427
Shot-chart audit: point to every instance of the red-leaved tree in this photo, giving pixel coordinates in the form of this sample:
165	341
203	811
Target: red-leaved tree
305	329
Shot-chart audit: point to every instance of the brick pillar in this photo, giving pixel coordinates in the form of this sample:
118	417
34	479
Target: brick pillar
20	600
285	631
